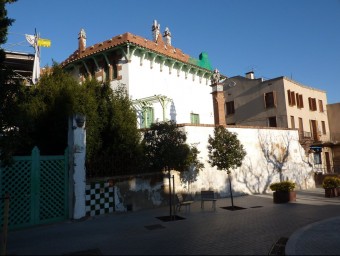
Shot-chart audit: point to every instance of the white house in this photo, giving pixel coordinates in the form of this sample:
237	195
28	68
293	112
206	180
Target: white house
163	82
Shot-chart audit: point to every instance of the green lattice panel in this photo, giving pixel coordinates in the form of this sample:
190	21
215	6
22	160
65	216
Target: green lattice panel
53	189
16	180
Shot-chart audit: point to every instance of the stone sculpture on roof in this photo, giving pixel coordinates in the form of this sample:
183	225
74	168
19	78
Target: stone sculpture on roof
215	79
167	35
155	30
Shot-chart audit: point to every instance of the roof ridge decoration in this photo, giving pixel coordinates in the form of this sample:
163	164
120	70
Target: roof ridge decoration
156	27
159	47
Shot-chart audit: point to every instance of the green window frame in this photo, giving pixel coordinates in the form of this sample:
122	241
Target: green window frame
148	117
195	118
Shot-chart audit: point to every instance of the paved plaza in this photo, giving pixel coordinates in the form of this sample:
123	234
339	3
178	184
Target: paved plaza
254	230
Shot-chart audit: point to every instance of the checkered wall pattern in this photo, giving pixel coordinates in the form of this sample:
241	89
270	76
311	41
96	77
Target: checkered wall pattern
99	199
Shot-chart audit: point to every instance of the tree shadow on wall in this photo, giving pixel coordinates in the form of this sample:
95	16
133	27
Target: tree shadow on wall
275	150
255	182
189	176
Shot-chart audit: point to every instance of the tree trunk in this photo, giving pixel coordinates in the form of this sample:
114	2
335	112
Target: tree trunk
231	191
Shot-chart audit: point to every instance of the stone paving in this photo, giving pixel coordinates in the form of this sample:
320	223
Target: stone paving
250	231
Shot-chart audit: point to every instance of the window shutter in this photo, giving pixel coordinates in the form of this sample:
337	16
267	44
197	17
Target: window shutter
289	98
301	100
320	106
297	100
323	127
293	99
314	104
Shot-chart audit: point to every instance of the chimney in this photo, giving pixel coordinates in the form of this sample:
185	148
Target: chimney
82	40
250	75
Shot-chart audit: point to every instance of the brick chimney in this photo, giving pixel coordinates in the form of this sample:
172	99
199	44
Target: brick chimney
82	40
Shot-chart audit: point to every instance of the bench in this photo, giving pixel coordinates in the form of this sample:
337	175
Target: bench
180	202
208	195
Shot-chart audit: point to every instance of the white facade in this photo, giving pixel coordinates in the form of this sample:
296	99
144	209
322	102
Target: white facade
187	93
163	82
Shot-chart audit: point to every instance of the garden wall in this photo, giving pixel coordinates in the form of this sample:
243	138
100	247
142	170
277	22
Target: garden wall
132	193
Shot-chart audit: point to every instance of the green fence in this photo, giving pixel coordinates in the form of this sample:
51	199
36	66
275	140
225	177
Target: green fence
38	189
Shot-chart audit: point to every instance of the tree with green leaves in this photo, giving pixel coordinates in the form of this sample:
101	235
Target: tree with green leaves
4	24
225	152
165	145
165	148
116	141
41	114
10	93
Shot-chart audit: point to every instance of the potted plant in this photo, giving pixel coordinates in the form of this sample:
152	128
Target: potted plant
330	184
283	191
337	188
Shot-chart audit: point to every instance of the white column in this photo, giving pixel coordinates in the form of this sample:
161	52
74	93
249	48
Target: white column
79	175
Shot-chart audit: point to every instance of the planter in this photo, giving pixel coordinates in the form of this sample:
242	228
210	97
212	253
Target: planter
337	191
284	196
331	192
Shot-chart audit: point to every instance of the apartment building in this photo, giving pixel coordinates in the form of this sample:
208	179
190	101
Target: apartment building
333	112
281	102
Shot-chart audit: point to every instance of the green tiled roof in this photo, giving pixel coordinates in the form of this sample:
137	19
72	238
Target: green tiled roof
202	62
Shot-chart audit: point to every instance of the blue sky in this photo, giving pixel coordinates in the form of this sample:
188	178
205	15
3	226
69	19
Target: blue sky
299	39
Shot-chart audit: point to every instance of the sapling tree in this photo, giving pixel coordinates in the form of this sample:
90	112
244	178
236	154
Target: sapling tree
225	152
165	148
165	145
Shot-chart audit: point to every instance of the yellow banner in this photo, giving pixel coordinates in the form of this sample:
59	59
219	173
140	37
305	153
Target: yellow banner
44	42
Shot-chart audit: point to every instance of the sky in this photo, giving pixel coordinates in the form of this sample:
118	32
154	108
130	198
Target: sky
299	39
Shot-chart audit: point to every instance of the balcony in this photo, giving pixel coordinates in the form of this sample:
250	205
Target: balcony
305	135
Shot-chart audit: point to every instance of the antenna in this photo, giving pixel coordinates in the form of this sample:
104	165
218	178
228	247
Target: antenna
251	68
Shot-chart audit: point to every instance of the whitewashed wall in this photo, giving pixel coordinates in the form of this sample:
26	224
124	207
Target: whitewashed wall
256	174
253	177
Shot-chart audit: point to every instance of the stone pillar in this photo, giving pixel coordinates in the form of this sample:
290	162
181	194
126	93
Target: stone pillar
218	103
79	175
